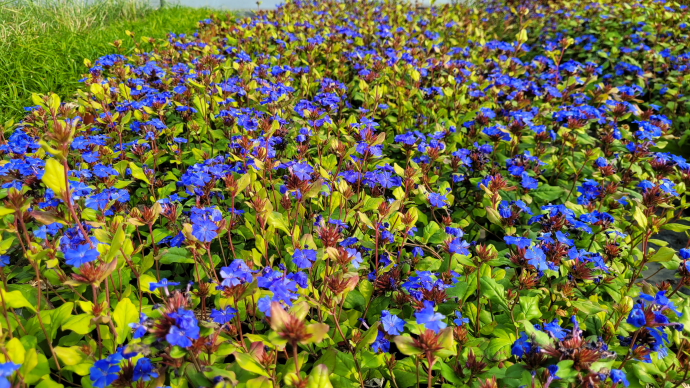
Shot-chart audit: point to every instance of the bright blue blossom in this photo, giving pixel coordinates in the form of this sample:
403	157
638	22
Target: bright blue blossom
391	323
81	255
429	318
304	258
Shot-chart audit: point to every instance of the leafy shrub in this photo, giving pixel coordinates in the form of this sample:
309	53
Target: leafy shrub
349	194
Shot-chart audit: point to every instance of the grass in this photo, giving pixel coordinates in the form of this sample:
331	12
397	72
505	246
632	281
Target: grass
43	43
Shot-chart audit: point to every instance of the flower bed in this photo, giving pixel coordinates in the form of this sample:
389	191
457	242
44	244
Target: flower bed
352	194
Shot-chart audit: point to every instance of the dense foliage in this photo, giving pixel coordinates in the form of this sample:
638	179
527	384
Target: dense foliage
358	194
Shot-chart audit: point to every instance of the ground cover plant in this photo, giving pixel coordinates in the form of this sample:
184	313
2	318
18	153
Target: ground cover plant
355	194
43	43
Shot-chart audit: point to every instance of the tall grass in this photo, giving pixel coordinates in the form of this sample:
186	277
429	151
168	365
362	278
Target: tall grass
43	43
31	19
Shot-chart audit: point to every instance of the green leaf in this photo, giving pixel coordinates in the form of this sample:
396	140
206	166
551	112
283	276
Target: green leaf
49	383
548	193
16	300
16	350
124	314
35	366
342	367
499	345
522	36
260	382
430	230
565	370
354	299
318	378
145	280
405	344
369	337
58	316
248	363
70	356
138	172
243	182
449	374
277	220
54	177
176	255
80	323
494	291
115	244
639	216
5	211
459	290
370	360
539	336
493	215
587	306
530	307
676	227
662	255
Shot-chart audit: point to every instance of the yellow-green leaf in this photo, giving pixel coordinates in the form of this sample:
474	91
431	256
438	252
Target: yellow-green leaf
138	172
662	255
80	323
405	344
639	216
318	378
54	177
124	314
70	356
16	300
248	363
16	351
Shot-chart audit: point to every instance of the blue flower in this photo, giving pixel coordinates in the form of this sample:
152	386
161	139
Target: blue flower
392	324
186	328
431	319
103	373
164	283
303	170
521	346
497	132
205	231
460	320
264	305
521	242
139	328
537	258
381	344
237	273
223	316
438	200
528	182
553	369
339	223
618	377
304	258
81	255
661	300
459	246
556	330
356	257
7	368
637	316
144	370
